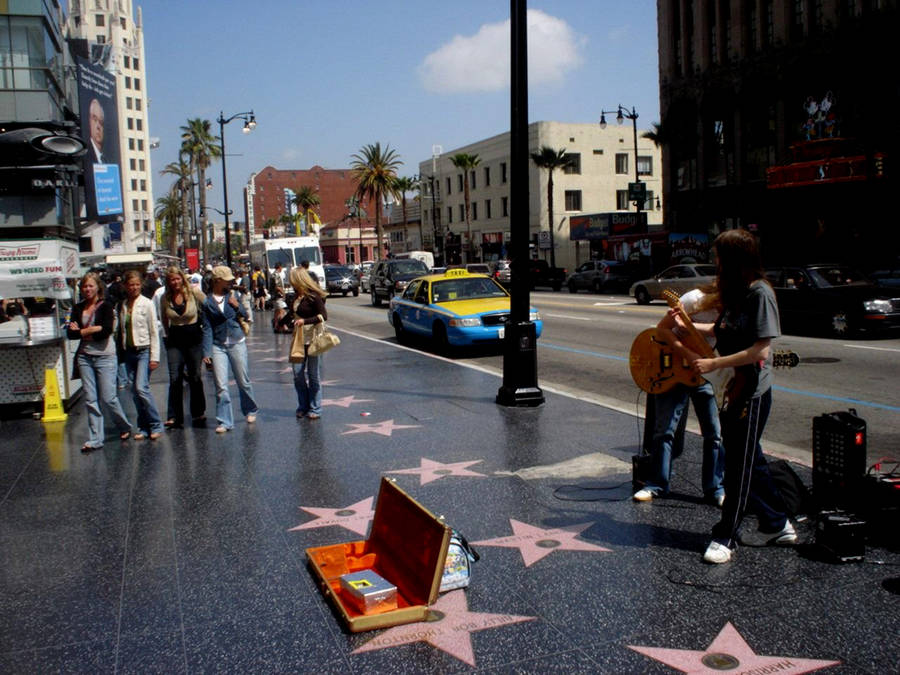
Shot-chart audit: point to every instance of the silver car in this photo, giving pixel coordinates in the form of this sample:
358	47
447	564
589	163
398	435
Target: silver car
679	278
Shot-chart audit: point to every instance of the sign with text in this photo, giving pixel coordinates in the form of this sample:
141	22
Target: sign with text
603	225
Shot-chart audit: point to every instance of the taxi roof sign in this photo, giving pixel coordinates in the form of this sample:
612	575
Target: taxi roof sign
457	272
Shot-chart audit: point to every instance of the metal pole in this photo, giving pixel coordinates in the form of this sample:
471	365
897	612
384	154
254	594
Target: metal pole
637	178
225	188
519	386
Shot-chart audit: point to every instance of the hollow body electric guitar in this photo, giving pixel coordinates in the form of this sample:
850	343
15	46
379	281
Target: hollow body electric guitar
657	367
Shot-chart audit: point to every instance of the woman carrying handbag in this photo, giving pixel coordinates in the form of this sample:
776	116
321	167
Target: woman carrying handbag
309	310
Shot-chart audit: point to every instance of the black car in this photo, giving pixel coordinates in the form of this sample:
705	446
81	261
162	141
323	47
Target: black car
389	277
832	297
340	279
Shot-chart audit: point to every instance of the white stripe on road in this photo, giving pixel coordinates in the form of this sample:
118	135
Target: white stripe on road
609	304
573	318
878	349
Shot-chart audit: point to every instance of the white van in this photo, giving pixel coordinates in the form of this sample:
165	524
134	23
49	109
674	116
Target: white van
425	256
289	251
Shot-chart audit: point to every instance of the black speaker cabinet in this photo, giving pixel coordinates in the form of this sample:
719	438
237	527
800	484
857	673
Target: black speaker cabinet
839	459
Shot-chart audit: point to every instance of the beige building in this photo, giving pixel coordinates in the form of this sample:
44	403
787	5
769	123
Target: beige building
110	22
602	167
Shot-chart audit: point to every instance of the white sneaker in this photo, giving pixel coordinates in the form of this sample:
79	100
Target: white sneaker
643	495
221	429
787	536
717	554
720	499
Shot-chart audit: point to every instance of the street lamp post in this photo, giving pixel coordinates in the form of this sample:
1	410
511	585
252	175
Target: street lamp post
249	125
221	213
621	115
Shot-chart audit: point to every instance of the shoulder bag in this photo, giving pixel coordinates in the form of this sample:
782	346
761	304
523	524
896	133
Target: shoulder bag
322	340
298	348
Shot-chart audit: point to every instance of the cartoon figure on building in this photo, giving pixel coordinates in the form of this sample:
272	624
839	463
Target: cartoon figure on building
821	120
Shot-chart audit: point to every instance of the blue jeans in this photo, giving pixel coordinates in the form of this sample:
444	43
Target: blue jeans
669	407
98	380
137	364
234	355
308	383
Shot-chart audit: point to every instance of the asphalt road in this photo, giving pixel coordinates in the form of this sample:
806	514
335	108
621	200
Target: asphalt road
584	351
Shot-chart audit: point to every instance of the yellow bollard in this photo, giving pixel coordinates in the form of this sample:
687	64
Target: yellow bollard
53	407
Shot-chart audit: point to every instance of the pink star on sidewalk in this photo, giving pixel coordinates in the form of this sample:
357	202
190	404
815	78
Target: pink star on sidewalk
345	402
355	517
382	428
729	651
448	629
431	470
535	543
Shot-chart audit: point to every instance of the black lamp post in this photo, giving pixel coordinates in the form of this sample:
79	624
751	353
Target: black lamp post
249	125
637	195
221	213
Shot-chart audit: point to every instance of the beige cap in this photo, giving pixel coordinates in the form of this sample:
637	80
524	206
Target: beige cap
222	272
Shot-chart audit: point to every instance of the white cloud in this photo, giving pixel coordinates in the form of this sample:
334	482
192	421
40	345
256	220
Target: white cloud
290	154
481	62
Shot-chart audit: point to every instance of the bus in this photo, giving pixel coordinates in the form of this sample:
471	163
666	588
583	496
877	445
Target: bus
289	251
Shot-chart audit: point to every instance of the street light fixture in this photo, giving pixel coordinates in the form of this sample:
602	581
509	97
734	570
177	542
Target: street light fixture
221	213
635	191
249	125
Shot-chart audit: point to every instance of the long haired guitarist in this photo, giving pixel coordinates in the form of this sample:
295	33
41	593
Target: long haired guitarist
744	332
668	408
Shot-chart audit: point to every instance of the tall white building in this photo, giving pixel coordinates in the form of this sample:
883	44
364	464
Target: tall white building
111	22
597	182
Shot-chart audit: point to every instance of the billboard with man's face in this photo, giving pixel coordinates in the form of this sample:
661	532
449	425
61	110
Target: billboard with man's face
100	131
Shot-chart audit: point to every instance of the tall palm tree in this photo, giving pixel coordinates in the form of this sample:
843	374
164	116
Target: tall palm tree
202	147
168	210
550	159
183	187
268	224
375	171
466	162
304	199
287	219
657	135
402	185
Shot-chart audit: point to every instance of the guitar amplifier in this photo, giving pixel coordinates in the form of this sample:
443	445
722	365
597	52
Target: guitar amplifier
839	459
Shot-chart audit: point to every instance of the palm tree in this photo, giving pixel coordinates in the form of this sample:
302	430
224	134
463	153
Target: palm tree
168	210
402	185
656	135
550	159
304	199
466	163
375	171
287	219
202	147
182	186
268	224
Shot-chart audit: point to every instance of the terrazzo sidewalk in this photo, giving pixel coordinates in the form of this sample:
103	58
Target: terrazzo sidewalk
187	554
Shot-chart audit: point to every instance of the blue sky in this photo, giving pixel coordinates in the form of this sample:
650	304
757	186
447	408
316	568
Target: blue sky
326	77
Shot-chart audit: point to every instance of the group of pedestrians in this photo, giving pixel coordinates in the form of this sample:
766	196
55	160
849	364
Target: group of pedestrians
124	326
740	316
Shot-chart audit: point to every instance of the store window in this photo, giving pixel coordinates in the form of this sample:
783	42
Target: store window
573	200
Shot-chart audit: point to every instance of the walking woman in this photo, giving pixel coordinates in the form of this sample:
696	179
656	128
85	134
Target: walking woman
181	320
139	341
92	323
744	332
224	345
308	310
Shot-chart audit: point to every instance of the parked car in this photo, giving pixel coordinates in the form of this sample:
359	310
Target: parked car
478	268
601	276
454	309
438	270
832	297
390	277
888	277
679	278
541	274
341	279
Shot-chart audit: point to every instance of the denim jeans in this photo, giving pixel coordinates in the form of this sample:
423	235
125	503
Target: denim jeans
669	407
308	383
234	355
98	380
137	363
748	483
179	358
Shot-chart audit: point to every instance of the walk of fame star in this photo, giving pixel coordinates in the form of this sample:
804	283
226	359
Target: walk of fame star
355	517
431	470
345	402
383	428
729	651
448	628
535	543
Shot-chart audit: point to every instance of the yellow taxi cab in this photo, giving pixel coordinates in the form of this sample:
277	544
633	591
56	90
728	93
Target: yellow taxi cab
456	308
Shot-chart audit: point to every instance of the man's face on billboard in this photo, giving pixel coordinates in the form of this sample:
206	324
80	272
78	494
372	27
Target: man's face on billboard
97	123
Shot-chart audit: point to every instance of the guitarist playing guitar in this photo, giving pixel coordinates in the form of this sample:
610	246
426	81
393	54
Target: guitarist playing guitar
666	410
744	331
